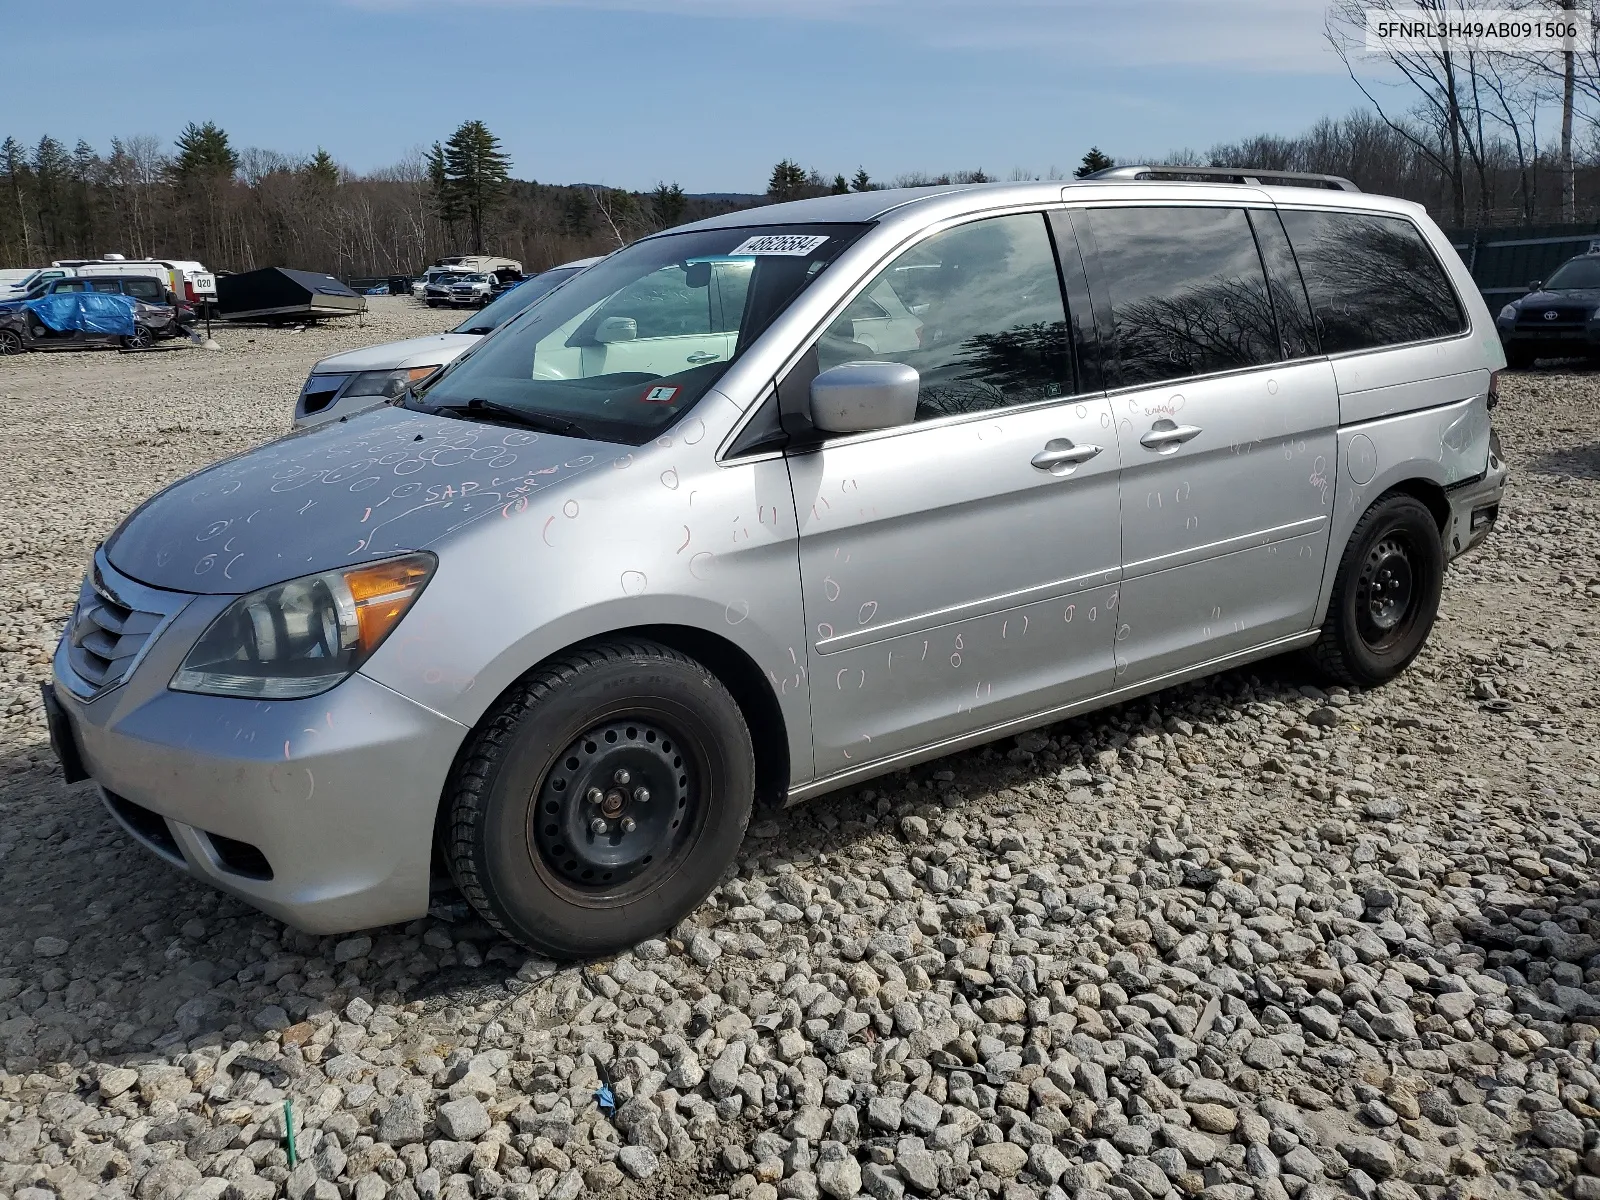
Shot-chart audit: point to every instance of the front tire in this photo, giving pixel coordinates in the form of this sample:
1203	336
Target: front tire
1519	358
1385	596
601	800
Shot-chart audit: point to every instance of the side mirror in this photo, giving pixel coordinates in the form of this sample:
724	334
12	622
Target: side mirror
1536	285
855	397
616	329
697	275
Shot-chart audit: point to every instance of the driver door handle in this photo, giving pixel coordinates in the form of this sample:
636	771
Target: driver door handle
1059	456
703	356
1165	436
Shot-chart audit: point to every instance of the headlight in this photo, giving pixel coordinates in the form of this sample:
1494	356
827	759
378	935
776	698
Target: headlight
1508	313
388	384
302	637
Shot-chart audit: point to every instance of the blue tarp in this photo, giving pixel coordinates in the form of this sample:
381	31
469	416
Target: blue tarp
90	312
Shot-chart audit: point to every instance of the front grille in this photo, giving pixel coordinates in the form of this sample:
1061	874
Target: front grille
106	636
113	623
1534	317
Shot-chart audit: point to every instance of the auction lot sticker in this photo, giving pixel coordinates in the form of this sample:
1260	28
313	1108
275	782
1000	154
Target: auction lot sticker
660	395
796	245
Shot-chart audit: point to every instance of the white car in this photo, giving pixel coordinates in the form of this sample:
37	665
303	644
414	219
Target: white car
358	379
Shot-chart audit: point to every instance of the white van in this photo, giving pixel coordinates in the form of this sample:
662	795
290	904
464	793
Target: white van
15	282
189	280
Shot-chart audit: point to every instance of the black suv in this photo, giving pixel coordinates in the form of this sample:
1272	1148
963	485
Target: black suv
1558	316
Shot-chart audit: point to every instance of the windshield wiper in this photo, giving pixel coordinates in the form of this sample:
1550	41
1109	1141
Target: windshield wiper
479	407
477	329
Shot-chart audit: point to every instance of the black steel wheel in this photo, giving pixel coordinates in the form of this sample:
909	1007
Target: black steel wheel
10	342
1385	596
601	798
618	801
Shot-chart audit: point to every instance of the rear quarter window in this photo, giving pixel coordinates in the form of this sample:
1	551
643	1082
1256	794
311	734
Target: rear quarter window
1373	280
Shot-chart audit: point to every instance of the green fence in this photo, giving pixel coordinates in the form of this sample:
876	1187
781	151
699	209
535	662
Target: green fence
1504	261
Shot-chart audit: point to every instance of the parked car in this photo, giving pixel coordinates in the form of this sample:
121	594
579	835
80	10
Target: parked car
436	287
357	379
24	327
1558	318
186	279
677	537
163	312
26	280
471	290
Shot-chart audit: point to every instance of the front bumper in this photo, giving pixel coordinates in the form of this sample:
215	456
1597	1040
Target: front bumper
1475	505
319	811
1563	341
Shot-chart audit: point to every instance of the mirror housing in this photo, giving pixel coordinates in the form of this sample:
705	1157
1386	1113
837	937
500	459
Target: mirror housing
697	275
856	397
1536	285
616	329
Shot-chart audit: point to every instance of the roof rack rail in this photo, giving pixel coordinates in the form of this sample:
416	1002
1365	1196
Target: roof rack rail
1251	175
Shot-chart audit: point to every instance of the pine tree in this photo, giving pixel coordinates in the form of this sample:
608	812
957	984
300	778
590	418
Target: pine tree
862	181
19	183
1093	161
841	186
476	173
204	152
788	181
52	176
322	171
669	202
577	216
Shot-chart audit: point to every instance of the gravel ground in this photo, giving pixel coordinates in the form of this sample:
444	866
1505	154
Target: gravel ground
1242	939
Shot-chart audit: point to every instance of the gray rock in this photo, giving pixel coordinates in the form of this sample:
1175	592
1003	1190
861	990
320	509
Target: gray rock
1372	1155
404	1121
638	1161
464	1120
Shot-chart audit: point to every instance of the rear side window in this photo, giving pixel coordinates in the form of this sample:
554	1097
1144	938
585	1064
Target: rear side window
106	285
145	289
1374	281
1187	293
977	310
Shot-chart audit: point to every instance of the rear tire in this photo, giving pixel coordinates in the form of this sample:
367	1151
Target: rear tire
143	338
10	342
630	734
1385	595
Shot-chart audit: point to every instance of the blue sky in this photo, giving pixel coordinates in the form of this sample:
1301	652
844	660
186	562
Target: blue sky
705	92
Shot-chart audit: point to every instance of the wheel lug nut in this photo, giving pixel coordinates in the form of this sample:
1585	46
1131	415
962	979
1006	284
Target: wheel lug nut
628	825
598	826
594	796
641	795
622	777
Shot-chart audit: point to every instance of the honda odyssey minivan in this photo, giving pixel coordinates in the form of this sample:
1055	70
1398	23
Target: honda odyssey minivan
682	536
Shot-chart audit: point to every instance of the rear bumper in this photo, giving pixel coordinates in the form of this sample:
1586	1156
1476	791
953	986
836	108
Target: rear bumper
1475	506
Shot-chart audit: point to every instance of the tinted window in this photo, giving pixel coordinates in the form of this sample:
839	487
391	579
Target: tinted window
1576	273
1187	293
1296	329
72	285
977	310
1373	280
145	289
106	285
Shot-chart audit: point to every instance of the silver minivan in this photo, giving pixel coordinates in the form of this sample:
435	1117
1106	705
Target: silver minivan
768	505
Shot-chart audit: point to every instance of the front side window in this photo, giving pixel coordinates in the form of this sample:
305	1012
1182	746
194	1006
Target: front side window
632	343
1373	280
977	310
1187	292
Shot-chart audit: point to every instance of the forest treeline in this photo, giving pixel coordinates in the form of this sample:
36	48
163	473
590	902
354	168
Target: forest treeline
1473	144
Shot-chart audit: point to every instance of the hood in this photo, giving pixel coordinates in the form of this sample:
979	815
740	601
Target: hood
381	483
1574	296
433	350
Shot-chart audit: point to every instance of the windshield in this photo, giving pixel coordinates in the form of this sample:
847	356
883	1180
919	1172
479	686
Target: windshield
1576	273
469	278
487	320
634	341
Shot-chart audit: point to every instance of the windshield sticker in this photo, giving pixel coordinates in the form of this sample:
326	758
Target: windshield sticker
795	245
661	395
